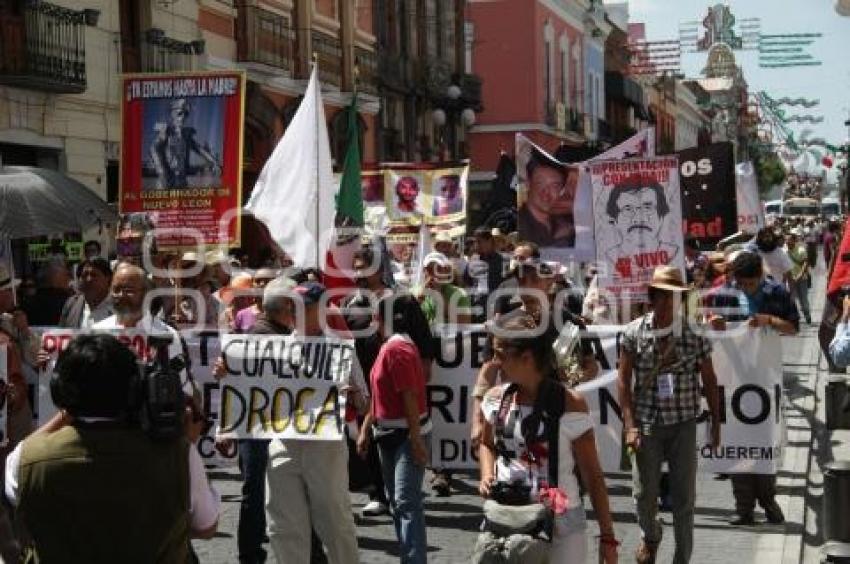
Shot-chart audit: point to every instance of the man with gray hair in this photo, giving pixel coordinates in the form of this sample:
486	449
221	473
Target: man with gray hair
130	285
277	318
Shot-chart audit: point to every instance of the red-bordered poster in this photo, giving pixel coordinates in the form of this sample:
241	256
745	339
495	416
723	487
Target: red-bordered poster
181	154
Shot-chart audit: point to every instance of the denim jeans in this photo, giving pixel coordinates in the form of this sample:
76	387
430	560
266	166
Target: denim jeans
799	290
403	482
677	445
253	457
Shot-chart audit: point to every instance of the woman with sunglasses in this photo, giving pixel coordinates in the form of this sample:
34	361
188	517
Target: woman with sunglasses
517	436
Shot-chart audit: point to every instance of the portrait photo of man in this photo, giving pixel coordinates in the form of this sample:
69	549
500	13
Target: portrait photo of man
407	193
172	148
637	209
547	215
448	195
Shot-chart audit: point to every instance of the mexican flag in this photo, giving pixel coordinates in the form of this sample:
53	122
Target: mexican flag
349	221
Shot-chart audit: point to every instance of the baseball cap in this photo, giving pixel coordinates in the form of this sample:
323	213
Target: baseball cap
436	258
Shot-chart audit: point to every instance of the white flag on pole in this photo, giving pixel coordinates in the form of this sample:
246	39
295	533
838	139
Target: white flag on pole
750	211
293	196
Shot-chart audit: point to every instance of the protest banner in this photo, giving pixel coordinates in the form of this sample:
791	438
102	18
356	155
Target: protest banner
750	210
749	372
181	153
415	194
284	387
749	384
637	222
460	355
54	341
204	349
707	179
553	208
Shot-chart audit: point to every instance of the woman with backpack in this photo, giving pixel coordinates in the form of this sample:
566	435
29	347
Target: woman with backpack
536	432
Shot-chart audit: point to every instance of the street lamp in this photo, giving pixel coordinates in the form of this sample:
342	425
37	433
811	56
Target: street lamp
450	110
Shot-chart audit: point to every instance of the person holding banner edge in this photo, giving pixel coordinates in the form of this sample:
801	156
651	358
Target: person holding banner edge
662	361
766	303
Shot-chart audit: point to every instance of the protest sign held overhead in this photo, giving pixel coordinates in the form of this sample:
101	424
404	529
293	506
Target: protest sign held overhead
638	222
413	195
284	387
553	208
182	154
708	192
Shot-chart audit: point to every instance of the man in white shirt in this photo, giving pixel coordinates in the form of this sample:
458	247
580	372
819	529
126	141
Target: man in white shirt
130	285
777	263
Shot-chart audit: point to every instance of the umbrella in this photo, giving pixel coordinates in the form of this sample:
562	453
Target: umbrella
37	201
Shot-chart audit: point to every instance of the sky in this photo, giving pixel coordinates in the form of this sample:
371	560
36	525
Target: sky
830	82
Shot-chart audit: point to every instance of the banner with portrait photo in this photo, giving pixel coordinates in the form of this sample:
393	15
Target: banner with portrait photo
637	214
553	210
181	154
414	193
707	176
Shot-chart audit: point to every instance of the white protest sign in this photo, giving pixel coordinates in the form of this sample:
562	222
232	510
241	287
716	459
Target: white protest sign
284	387
54	341
750	211
459	358
749	374
637	211
204	349
749	383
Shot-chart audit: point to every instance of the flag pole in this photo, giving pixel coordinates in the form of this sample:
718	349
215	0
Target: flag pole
318	176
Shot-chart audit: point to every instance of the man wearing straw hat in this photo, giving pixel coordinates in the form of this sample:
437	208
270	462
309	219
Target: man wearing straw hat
662	362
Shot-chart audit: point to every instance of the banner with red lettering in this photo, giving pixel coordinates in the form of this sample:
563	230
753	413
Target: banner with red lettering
181	154
637	214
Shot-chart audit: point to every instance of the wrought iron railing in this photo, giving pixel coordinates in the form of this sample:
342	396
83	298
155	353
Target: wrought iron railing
265	37
44	48
161	53
328	50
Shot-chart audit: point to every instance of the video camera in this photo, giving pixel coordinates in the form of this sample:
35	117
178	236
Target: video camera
159	400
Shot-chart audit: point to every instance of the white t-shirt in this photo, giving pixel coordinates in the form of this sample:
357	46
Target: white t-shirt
521	467
150	326
777	263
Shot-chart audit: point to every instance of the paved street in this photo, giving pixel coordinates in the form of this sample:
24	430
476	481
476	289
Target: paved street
452	522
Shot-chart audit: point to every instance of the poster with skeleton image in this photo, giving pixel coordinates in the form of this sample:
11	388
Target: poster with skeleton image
637	215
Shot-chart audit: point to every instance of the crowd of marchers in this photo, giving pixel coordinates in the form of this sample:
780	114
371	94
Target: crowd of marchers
93	485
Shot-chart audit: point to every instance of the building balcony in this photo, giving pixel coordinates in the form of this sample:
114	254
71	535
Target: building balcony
328	50
367	67
161	53
43	48
266	38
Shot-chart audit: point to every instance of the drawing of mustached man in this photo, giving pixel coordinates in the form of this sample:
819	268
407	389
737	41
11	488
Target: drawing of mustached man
637	208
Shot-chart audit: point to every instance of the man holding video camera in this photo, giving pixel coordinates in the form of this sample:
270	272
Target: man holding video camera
111	477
